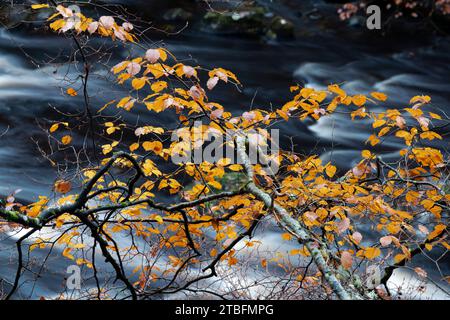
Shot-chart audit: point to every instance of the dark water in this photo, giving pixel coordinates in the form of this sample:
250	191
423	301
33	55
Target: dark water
401	68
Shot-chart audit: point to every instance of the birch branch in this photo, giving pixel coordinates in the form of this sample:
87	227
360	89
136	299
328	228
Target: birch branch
292	225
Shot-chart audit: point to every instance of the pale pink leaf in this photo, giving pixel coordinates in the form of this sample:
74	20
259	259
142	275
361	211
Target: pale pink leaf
168	102
70	24
139	131
216	113
93	26
423	229
320	111
420	272
127	26
343	225
311	216
65	12
152	55
133	68
120	34
346	260
424	122
212	82
107	21
357	171
400	121
222	76
248	115
188	71
119	66
357	237
196	92
385	241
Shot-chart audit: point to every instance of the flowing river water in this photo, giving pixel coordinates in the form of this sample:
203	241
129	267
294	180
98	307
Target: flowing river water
401	69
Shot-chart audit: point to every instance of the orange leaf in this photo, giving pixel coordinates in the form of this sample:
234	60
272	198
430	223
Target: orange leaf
379	96
72	92
62	186
66	140
346	260
371	253
330	171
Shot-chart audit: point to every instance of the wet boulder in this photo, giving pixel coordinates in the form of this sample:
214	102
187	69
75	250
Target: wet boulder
254	21
248	21
177	15
282	28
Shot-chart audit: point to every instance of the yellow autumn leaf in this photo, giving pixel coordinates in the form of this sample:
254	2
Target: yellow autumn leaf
155	146
359	100
54	127
66	253
437	231
66	140
373	140
430	135
162	54
286	236
378	123
435	116
134	146
420	99
283	114
78	246
39	6
107	148
371	253
399	257
159	86
57	24
81	261
264	263
215	184
72	92
412	196
235	167
138	83
383	131
111	130
224	162
120	67
436	210
379	96
403	134
414	112
427	204
366	154
330	171
337	90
